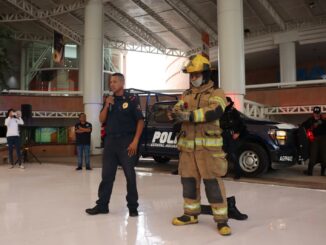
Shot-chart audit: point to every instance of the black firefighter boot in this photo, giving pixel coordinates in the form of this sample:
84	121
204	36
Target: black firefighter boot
233	212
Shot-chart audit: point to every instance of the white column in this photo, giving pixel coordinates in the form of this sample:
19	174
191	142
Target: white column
93	64
81	68
287	62
231	49
123	62
23	68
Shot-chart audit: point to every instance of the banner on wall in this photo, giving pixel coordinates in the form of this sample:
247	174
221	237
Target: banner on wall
59	48
205	42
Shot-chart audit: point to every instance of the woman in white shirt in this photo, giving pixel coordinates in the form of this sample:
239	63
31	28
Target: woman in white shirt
12	122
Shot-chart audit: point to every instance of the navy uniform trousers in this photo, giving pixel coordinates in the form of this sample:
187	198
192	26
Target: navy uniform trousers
116	153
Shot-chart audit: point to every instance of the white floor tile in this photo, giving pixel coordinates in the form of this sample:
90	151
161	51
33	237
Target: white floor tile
44	205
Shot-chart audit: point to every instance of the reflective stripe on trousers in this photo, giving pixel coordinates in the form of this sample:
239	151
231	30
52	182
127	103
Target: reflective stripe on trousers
193	206
220	211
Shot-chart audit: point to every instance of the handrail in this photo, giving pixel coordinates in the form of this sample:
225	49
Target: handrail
152	92
49	114
253	103
285	84
30	92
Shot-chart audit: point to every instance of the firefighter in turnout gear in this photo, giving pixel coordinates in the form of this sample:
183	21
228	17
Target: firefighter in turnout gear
200	144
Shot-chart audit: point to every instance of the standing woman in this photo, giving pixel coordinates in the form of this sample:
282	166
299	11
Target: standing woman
12	123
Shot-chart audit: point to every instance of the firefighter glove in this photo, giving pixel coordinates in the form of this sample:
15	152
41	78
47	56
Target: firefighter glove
184	116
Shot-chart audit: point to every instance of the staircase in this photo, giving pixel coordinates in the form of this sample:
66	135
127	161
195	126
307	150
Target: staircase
37	55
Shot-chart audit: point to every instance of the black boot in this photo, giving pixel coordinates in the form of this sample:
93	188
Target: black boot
233	211
307	172
133	212
310	169
97	210
322	170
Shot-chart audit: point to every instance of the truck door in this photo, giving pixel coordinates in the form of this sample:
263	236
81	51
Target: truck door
160	139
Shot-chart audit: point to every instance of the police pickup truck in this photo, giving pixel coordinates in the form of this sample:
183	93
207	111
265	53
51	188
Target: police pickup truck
266	144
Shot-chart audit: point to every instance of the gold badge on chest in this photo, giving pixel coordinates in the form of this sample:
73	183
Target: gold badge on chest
125	105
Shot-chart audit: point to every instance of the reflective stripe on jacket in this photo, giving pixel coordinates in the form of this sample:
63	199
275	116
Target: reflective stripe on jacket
199	134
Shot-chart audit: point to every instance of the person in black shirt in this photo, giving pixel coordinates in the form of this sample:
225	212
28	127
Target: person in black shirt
83	131
124	124
233	128
316	124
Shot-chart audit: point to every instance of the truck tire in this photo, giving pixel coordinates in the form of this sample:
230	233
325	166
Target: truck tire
160	159
253	160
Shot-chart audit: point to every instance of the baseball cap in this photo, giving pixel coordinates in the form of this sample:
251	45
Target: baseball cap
316	110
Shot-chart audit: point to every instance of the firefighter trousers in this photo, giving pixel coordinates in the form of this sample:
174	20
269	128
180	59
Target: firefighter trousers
208	166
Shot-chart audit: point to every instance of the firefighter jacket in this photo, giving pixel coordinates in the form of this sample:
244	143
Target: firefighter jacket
203	132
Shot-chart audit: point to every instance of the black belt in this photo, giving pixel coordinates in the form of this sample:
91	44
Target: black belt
121	135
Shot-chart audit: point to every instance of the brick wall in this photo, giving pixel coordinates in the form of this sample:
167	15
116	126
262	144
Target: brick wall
289	96
43	103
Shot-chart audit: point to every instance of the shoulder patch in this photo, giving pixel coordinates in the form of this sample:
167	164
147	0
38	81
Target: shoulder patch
132	97
188	91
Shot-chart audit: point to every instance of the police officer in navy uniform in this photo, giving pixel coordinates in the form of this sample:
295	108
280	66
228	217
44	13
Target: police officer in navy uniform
124	122
233	129
316	124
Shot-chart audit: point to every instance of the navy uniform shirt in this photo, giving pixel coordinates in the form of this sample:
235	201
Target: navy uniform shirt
123	117
83	138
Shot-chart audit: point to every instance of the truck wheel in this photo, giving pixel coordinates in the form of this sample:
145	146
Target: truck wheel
253	160
161	159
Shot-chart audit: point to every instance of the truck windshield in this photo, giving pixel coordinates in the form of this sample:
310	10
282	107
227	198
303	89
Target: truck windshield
160	113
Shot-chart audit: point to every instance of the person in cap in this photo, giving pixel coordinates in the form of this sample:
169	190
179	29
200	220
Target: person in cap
12	122
83	130
316	125
200	144
233	129
124	123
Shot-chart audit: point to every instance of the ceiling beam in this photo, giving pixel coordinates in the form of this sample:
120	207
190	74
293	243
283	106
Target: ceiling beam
24	36
41	14
159	19
249	7
306	4
54	24
255	12
191	17
29	9
139	31
273	13
13	17
71	14
142	48
124	28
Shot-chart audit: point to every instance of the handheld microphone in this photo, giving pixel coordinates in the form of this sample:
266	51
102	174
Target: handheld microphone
110	94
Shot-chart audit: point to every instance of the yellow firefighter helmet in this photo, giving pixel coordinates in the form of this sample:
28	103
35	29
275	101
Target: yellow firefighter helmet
196	63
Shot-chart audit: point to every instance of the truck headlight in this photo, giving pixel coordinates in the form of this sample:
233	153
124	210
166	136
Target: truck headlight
279	136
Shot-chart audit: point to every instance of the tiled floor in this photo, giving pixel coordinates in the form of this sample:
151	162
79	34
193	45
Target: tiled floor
44	205
290	176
